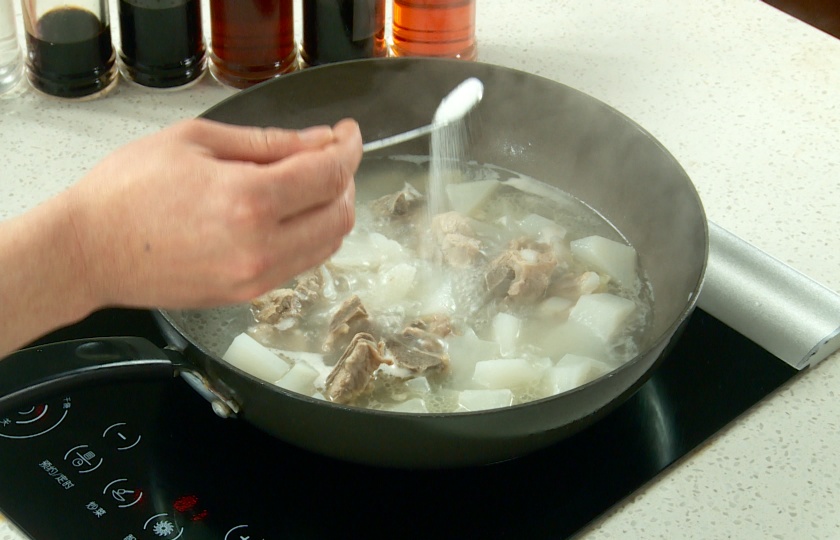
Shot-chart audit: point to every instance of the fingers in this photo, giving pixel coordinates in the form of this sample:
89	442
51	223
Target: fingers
252	144
293	246
303	180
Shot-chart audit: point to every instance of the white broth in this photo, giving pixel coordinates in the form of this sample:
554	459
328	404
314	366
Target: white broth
518	293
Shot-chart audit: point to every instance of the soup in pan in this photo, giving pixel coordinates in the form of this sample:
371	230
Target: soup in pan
517	292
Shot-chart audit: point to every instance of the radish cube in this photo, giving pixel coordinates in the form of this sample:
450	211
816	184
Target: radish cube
466	197
603	313
542	228
506	330
415	405
556	339
555	306
479	400
505	373
608	256
300	379
418	385
465	351
253	358
572	371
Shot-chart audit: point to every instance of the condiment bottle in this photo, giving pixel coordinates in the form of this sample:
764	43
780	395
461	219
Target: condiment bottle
442	28
251	40
337	30
162	45
69	48
11	61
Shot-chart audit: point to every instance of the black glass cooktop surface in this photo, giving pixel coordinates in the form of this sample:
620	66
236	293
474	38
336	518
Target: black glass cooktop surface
150	460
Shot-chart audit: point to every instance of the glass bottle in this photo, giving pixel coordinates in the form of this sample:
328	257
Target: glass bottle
442	28
69	47
251	40
162	45
11	61
337	30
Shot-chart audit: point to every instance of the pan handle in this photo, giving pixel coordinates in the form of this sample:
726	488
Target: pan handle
38	372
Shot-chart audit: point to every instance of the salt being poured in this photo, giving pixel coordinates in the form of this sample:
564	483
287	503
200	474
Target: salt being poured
448	142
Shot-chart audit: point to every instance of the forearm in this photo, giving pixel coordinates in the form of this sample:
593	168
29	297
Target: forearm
42	278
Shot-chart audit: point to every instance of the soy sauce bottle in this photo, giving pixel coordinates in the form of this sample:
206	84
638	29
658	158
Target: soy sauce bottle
336	30
162	42
69	50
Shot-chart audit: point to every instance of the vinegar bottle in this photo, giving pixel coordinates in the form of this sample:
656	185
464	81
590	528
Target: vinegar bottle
162	42
336	30
442	28
251	40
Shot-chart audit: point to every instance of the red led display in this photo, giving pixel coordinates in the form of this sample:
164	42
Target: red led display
188	504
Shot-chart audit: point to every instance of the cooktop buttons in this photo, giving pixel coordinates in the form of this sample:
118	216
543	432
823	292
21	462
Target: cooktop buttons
35	420
123	493
163	527
240	532
121	436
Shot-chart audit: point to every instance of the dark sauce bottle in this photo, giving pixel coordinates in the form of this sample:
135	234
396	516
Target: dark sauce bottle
337	30
251	40
162	43
69	52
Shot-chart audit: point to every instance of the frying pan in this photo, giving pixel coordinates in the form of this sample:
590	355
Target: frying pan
527	124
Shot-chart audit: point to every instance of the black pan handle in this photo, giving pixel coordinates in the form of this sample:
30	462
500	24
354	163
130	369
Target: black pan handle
42	371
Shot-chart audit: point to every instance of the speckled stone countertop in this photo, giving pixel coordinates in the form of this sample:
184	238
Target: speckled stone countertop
746	98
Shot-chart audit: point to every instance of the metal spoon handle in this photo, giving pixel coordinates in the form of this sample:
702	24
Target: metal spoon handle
400	138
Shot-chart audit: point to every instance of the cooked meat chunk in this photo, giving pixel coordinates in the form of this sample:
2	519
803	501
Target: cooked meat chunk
455	238
399	203
280	307
309	285
419	351
573	286
436	324
354	370
522	272
350	315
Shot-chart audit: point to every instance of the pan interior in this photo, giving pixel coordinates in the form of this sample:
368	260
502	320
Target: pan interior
527	124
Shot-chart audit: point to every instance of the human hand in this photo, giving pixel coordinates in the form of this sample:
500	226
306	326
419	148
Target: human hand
204	213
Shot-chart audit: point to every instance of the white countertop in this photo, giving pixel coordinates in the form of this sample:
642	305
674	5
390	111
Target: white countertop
746	98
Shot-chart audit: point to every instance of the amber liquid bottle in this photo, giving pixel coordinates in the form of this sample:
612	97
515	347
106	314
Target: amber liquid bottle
442	28
251	40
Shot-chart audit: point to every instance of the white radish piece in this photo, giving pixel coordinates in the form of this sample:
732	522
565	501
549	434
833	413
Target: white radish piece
505	373
613	258
556	339
541	228
603	313
570	372
415	405
467	197
418	385
465	351
506	330
555	306
250	356
300	379
479	400
394	284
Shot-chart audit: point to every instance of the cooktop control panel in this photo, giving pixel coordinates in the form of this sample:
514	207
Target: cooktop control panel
107	465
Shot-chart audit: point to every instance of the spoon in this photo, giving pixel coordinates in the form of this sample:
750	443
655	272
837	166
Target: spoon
452	108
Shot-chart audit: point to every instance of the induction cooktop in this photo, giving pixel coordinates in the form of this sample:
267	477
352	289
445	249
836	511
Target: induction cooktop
150	460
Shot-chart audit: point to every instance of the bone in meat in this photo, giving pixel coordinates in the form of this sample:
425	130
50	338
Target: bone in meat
353	372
